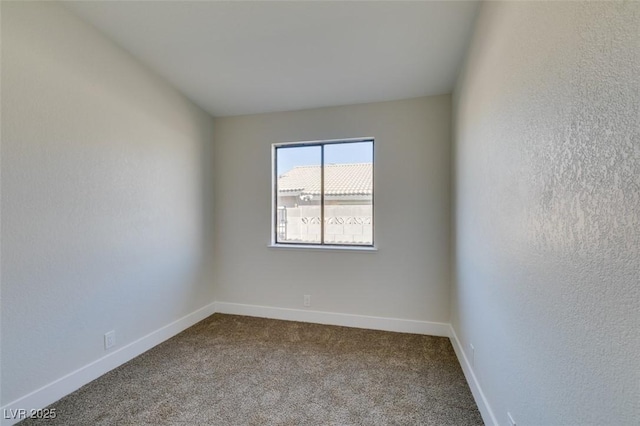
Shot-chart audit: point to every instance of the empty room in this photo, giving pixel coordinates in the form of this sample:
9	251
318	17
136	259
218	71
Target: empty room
320	213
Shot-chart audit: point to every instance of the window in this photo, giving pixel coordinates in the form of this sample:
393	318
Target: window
323	193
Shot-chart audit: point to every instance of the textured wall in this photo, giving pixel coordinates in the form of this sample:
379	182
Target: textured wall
103	197
547	143
407	278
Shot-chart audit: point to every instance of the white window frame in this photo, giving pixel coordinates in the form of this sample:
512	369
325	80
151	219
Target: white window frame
274	197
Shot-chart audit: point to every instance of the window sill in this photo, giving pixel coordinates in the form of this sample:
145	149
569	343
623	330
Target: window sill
323	247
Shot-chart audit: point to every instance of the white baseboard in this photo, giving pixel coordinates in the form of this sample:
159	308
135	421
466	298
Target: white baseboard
63	386
331	318
481	401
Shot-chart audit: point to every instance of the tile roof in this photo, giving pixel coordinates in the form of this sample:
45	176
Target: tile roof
340	180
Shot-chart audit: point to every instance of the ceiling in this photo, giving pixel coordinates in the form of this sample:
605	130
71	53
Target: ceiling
236	58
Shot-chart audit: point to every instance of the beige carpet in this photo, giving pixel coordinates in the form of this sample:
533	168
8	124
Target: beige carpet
234	370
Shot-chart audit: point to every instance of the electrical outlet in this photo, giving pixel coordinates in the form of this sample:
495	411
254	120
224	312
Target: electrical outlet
109	339
511	421
473	355
307	300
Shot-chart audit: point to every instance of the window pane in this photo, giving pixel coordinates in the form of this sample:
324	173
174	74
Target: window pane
348	193
298	194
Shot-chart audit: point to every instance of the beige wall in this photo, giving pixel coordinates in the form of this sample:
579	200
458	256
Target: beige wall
548	211
346	224
407	277
104	198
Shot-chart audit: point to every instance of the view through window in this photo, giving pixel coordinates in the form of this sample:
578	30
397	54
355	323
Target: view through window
324	193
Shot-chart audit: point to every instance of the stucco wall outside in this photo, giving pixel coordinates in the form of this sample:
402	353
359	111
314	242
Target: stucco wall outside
104	197
547	211
350	224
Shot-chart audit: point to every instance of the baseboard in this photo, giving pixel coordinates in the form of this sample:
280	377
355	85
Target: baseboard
481	401
63	386
332	318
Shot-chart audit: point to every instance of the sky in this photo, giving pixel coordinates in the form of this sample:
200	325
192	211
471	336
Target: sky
360	152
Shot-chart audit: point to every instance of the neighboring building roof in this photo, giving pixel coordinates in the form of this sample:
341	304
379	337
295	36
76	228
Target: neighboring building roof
340	180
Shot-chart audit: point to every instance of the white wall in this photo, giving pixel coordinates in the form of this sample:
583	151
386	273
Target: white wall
548	211
104	197
407	278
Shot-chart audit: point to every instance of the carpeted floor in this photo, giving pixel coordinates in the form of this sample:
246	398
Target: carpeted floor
235	370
